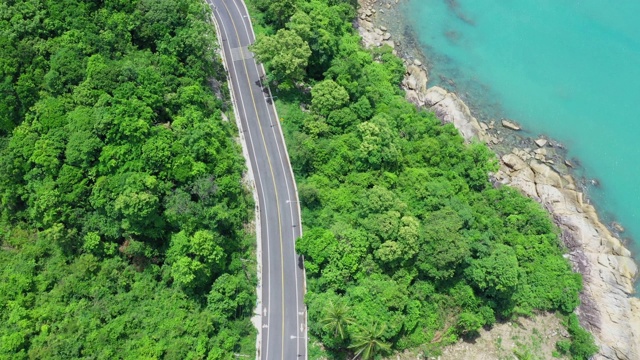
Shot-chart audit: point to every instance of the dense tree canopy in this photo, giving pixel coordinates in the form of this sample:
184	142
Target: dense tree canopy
286	55
406	243
122	212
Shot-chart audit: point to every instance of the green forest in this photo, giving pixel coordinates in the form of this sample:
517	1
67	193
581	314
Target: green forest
406	242
123	217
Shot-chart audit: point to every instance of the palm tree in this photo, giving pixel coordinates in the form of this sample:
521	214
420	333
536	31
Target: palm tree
368	341
336	318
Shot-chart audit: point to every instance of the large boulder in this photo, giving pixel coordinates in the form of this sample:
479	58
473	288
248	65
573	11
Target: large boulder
510	125
450	109
416	79
514	162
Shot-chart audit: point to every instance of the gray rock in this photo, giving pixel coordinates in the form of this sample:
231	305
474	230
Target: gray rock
541	151
510	125
541	142
450	109
617	227
514	162
416	79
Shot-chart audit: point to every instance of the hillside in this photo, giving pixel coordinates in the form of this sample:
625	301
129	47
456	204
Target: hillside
123	215
407	244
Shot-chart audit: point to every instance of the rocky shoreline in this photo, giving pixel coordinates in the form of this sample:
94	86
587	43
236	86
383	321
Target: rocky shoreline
538	168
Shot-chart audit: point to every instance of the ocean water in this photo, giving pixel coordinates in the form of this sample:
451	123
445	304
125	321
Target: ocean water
567	69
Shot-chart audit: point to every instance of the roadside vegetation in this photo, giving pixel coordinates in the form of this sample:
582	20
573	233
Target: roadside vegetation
406	244
122	214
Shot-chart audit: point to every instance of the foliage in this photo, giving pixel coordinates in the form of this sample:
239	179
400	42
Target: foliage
581	346
407	243
327	96
286	56
369	342
122	209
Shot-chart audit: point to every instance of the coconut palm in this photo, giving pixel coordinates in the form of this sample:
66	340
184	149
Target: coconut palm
368	342
336	318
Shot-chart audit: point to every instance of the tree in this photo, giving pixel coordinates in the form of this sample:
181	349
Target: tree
495	273
468	324
379	148
368	342
445	247
279	12
195	260
318	246
286	56
336	318
327	96
231	297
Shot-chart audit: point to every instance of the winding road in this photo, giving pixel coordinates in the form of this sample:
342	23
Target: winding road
283	331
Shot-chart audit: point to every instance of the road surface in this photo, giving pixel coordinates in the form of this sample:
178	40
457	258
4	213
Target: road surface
283	331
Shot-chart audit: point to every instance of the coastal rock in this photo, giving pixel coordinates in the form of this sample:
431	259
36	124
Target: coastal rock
514	162
541	151
541	142
412	96
546	174
435	95
524	180
366	25
450	109
511	125
617	227
608	309
416	79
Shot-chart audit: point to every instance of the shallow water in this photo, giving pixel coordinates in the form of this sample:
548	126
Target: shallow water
566	69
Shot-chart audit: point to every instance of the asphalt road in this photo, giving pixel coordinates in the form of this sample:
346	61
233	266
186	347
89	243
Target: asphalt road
284	331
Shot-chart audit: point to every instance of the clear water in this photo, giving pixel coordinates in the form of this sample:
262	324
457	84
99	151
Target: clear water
568	69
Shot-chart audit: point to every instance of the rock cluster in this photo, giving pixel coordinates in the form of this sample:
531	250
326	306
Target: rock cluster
371	35
608	308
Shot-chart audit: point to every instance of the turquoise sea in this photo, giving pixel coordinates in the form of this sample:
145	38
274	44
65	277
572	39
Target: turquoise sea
566	69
